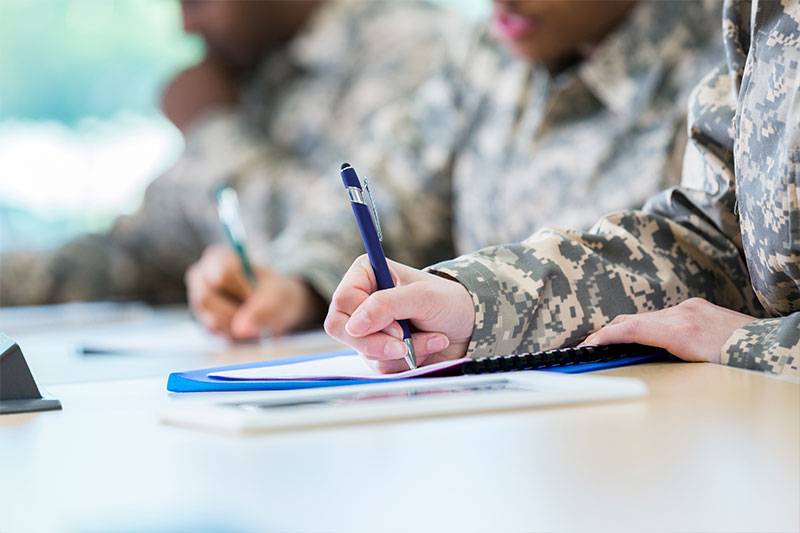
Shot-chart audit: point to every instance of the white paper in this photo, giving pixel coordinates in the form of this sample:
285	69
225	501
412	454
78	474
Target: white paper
174	337
341	367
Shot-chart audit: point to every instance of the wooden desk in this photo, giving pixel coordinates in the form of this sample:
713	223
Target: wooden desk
711	449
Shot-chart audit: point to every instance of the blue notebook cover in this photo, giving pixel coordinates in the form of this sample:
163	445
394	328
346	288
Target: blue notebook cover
199	380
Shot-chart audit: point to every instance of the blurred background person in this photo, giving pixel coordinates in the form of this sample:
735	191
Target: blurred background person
558	113
281	88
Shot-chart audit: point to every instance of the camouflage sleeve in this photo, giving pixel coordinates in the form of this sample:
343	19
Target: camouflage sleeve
144	255
558	286
111	265
770	345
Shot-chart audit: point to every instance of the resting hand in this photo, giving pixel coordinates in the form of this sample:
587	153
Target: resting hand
224	301
694	330
440	311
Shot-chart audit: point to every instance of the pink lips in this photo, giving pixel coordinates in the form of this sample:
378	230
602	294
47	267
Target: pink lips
510	26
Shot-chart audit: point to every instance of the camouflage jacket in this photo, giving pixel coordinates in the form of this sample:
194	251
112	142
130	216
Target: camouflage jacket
306	101
730	233
492	147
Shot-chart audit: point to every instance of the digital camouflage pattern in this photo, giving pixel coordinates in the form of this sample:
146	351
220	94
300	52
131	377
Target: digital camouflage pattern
307	101
493	147
730	233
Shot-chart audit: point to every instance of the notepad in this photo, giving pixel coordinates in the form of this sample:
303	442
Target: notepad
336	369
345	367
354	367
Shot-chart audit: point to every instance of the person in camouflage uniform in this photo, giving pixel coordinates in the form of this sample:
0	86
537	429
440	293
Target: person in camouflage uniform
310	96
709	270
583	115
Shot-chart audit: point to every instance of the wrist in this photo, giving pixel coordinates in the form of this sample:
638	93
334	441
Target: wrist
465	310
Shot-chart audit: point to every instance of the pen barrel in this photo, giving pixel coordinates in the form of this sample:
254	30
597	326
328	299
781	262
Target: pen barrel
247	267
406	327
372	245
377	259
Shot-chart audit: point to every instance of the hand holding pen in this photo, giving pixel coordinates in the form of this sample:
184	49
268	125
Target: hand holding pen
238	299
359	312
365	318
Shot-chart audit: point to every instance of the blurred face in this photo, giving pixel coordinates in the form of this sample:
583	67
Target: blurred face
554	31
238	32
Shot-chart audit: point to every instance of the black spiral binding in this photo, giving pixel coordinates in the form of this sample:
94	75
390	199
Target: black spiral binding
559	357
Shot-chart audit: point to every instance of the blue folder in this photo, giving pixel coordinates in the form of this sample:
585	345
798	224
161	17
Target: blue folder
200	381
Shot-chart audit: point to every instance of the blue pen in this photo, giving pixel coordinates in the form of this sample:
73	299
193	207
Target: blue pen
370	228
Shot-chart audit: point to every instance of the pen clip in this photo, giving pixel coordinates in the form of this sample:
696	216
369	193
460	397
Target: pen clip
373	211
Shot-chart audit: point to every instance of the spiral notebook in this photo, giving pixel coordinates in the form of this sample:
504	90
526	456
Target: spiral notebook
348	368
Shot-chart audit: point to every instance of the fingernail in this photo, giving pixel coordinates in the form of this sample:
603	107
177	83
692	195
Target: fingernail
357	325
436	344
394	348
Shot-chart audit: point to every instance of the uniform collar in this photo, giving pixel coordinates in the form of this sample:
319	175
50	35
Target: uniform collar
323	44
326	41
625	69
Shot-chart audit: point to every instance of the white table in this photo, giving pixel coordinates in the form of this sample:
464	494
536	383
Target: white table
711	449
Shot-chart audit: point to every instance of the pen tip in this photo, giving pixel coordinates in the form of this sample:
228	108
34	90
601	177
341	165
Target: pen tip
344	166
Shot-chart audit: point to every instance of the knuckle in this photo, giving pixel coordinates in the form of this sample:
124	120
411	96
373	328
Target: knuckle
339	299
331	325
692	304
619	319
214	277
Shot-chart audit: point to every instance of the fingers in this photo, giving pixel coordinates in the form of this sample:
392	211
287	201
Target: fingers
278	305
356	285
382	308
359	282
222	272
215	313
644	328
387	345
248	322
366	319
215	288
392	366
261	313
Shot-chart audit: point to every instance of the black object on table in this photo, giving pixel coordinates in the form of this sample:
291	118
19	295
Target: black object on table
18	390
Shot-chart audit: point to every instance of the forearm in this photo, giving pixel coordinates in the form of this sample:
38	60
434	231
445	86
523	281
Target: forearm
558	286
769	345
92	267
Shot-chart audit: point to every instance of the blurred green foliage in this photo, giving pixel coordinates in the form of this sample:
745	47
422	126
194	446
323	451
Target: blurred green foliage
66	59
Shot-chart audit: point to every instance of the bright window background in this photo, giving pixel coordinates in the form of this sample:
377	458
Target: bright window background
80	131
81	134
